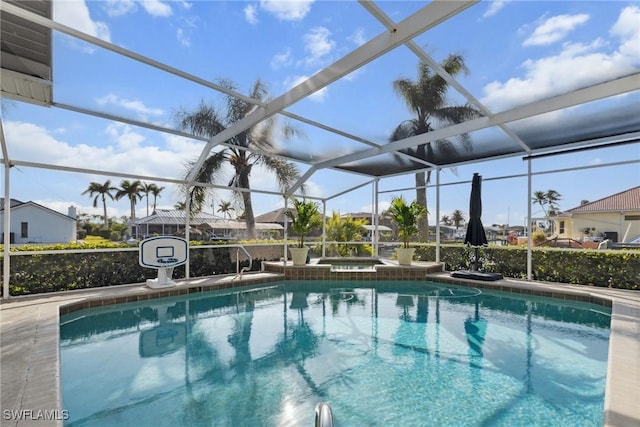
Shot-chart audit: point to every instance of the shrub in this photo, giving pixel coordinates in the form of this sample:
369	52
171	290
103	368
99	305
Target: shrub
538	237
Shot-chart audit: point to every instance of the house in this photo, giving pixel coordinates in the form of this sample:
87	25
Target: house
34	223
615	217
203	226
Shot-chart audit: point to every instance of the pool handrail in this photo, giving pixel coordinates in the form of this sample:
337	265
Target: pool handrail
239	271
324	416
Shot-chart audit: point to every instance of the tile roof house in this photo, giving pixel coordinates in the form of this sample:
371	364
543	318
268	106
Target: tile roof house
34	223
615	217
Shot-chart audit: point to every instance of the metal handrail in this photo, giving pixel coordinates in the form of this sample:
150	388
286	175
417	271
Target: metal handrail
324	416
239	271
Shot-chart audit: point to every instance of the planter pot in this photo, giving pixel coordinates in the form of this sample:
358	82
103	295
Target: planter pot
299	255
405	255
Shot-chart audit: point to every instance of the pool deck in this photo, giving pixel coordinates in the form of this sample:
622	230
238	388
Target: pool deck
29	340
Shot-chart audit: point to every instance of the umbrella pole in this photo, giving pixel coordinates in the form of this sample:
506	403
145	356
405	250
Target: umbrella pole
477	257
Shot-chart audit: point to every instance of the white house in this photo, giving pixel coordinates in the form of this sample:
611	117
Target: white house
34	223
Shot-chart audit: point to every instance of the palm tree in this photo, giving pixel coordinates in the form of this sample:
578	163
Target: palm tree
103	191
145	188
457	218
180	206
540	198
549	198
155	191
225	207
446	220
553	197
131	190
207	121
427	99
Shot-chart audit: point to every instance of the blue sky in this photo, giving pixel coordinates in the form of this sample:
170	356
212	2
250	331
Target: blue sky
516	52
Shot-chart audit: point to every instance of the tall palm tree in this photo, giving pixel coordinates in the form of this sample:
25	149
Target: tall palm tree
540	198
549	198
427	99
102	191
131	190
207	121
155	192
145	189
225	208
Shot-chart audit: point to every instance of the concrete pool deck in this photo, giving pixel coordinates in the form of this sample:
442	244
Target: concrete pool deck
29	341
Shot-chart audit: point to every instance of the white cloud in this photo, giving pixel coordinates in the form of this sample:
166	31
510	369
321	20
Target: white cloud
157	8
152	7
250	14
131	105
314	189
318	46
494	7
358	37
554	29
75	14
120	7
627	29
281	60
183	38
128	155
291	10
596	161
124	135
577	65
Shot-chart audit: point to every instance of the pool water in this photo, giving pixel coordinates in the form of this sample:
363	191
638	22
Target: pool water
381	354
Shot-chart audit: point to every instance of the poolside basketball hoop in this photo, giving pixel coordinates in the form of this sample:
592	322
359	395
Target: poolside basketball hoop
163	253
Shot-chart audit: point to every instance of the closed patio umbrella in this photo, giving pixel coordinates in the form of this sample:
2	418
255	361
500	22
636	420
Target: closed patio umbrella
476	236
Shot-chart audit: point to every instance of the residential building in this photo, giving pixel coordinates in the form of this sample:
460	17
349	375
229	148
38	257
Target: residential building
34	223
203	226
615	217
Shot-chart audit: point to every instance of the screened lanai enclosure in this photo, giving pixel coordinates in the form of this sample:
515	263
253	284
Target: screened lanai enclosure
519	91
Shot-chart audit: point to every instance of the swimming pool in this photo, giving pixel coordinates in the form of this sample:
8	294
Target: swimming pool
391	353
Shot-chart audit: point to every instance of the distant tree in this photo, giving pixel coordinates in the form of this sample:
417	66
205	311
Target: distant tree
145	188
346	229
180	206
131	190
427	99
446	220
458	218
548	201
155	192
102	191
225	208
583	202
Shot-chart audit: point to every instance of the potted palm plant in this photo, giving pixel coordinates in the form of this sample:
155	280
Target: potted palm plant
406	217
304	217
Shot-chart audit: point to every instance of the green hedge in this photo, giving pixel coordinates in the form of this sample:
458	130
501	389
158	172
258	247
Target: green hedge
59	272
616	269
